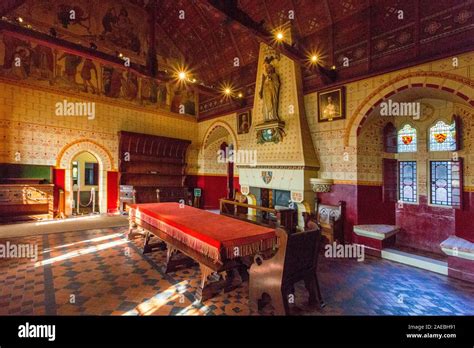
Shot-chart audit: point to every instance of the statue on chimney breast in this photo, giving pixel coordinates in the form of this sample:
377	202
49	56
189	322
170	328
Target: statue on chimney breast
269	91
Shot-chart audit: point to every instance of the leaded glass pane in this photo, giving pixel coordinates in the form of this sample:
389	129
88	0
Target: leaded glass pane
441	182
408	184
407	139
442	137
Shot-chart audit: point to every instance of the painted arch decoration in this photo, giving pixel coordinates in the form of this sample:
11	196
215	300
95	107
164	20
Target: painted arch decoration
459	87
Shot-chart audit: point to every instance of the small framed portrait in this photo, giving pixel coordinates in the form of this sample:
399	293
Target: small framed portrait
331	105
244	121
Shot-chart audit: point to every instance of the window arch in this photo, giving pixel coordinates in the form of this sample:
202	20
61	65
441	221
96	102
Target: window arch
407	139
442	136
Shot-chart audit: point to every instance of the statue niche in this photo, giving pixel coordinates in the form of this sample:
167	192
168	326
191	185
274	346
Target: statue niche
272	130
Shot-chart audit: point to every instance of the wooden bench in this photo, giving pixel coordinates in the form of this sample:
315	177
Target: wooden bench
375	237
295	260
285	218
460	257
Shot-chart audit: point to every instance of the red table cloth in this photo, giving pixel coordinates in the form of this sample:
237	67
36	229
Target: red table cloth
216	236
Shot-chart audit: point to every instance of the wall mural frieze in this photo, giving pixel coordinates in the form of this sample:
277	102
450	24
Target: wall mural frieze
30	62
277	167
110	24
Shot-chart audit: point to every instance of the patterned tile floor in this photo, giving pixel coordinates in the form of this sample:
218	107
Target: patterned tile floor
99	272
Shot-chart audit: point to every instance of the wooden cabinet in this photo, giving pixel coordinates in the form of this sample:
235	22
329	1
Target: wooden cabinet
24	201
150	163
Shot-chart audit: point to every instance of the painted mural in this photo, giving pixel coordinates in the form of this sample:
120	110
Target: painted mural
115	24
38	64
23	60
183	101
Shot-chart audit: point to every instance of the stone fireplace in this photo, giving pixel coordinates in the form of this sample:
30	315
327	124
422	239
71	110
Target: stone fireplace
284	163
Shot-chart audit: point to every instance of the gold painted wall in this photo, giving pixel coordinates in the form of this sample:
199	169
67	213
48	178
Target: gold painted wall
336	143
370	151
29	125
339	159
209	143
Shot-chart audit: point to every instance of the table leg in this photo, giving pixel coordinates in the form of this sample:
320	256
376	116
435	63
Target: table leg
175	259
234	279
132	226
206	289
146	244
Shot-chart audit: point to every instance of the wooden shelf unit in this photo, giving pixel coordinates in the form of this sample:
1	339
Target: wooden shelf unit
150	163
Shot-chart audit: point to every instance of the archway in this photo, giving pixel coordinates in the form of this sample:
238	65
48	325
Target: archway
379	199
85	183
449	85
216	171
105	162
219	126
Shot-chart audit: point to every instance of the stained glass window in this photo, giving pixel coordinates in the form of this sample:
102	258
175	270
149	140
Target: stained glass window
443	137
446	183
408	184
407	139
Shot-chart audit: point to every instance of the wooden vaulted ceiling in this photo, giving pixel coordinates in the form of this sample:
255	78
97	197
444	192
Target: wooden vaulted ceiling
370	33
9	5
210	41
375	35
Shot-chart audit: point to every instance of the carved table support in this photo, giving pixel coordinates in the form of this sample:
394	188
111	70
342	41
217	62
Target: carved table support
132	229
206	288
175	259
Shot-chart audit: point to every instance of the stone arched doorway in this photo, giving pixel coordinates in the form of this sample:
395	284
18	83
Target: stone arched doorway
105	160
217	173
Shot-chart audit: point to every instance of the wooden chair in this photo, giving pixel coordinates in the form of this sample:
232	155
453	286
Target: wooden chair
331	220
239	197
295	260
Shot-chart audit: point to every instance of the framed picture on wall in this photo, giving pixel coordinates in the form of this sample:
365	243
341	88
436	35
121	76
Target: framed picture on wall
331	105
244	121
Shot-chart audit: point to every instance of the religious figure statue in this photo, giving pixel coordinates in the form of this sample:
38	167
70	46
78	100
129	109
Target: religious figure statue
270	91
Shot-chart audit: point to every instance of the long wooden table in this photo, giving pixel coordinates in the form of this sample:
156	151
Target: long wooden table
220	245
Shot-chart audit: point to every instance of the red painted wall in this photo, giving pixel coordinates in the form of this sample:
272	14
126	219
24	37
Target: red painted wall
464	226
213	188
364	205
112	192
371	209
423	226
59	181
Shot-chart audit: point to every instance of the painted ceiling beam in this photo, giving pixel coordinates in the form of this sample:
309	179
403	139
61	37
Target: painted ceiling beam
231	12
152	61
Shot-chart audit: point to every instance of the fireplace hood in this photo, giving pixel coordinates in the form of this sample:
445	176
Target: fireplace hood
289	163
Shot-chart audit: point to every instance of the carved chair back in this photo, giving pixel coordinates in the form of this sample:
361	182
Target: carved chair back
329	213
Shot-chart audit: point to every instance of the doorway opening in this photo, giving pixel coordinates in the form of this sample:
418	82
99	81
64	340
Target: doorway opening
85	184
